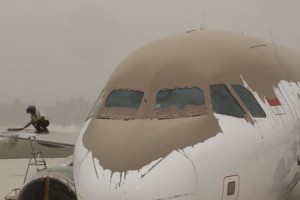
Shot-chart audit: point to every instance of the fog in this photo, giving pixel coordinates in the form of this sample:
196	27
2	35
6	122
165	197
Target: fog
52	51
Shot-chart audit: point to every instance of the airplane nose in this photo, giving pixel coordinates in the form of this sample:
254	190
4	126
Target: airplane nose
172	177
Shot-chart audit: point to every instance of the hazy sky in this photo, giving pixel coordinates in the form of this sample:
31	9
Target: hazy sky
53	50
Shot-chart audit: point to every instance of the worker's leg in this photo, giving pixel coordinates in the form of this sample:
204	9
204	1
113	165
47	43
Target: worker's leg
37	127
44	124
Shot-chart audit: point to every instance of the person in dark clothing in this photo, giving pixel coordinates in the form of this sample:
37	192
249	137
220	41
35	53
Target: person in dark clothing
38	120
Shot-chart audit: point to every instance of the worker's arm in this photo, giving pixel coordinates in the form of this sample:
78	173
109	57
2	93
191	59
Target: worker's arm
34	121
27	125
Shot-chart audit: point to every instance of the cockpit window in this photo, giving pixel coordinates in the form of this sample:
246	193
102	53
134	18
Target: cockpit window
223	102
249	100
179	98
95	109
124	99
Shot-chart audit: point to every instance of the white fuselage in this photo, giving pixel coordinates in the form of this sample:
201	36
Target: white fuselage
259	159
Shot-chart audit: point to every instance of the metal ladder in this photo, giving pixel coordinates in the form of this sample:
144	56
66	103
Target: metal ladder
36	158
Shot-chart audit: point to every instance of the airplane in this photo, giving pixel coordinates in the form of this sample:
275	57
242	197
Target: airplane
205	114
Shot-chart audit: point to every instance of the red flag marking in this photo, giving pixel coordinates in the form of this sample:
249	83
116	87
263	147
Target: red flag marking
274	102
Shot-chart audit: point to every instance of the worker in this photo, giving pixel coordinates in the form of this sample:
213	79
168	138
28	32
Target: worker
38	120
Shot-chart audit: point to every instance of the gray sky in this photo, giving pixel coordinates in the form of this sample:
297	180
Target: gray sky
55	50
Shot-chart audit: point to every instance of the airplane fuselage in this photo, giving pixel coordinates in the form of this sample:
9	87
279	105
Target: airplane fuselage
201	115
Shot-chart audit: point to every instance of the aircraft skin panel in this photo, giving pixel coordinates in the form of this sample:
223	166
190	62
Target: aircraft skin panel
207	57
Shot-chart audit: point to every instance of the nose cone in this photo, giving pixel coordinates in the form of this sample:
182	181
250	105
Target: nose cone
139	158
171	177
122	146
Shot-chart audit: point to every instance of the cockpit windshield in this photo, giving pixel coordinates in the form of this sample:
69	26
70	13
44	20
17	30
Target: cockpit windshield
121	104
177	102
223	102
124	99
179	98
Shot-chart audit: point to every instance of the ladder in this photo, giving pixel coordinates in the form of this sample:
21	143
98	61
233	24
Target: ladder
35	159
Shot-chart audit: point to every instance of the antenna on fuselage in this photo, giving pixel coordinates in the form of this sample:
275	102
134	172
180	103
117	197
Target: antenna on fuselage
203	20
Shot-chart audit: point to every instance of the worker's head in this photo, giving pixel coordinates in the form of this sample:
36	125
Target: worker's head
31	109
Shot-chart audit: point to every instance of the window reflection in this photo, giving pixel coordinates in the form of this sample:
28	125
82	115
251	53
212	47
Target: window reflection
249	100
223	102
124	99
179	98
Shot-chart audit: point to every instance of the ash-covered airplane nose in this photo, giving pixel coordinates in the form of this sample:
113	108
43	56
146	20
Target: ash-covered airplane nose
172	177
137	159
